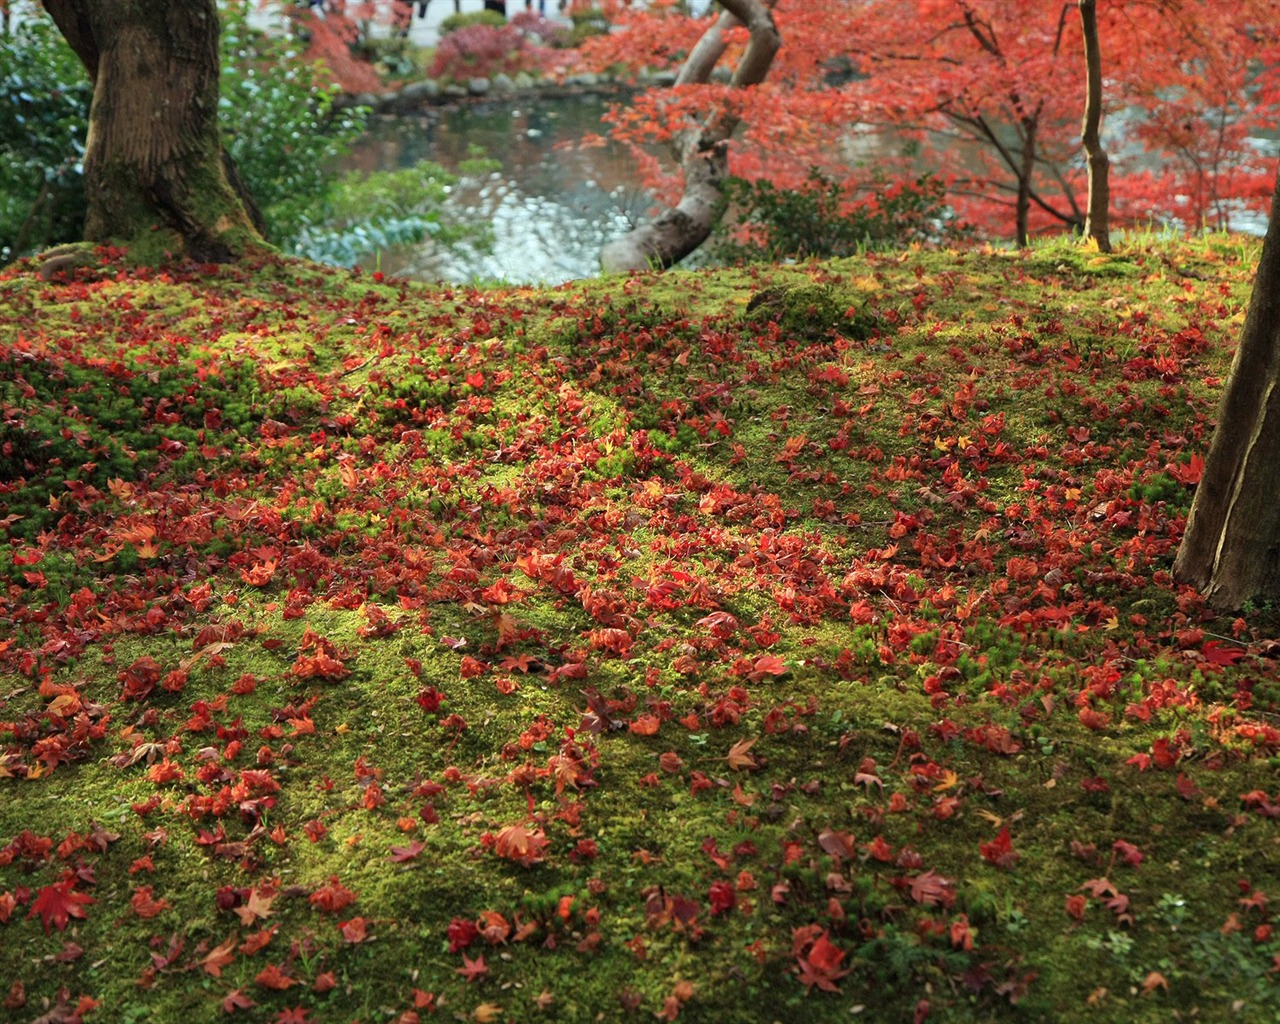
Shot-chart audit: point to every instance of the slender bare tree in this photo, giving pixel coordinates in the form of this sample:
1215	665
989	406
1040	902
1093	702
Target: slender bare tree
1096	220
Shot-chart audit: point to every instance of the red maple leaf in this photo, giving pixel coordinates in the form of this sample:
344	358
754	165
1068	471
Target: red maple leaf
58	902
1215	654
236	1000
1190	472
1000	851
517	843
272	977
145	905
333	896
473	969
820	966
401	854
218	958
930	888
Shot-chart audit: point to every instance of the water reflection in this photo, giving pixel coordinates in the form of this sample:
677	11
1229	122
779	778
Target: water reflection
552	206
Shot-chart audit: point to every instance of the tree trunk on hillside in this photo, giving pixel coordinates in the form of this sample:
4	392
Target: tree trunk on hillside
154	166
1026	168
1231	548
1095	224
704	151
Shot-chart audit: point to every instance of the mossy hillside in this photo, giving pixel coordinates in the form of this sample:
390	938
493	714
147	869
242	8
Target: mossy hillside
917	551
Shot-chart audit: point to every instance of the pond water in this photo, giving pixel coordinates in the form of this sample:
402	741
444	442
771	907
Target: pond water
551	206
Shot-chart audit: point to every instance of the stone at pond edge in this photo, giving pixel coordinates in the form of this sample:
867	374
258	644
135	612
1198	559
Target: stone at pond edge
455	91
523	80
428	89
503	83
478	86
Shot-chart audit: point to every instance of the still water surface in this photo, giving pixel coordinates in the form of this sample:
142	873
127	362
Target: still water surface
552	205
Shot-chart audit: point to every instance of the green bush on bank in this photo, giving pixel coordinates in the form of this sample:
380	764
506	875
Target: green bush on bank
825	219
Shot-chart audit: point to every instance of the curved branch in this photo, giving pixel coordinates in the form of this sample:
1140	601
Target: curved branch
703	152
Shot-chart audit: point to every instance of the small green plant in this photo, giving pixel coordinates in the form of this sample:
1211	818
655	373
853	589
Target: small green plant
1118	944
1171	908
368	213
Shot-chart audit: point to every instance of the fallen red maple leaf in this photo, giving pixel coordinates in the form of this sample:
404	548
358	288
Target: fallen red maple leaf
820	966
145	905
517	843
930	888
58	902
401	854
236	1000
272	977
473	969
219	957
1000	851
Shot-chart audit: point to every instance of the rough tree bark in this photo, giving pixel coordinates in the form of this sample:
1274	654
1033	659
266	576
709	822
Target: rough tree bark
702	151
1231	547
1096	219
154	158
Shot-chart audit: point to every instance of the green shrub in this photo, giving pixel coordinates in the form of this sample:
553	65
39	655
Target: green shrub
587	23
44	107
280	125
456	21
826	219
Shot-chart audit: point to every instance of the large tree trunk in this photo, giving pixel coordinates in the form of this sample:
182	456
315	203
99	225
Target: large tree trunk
153	168
1231	548
1095	224
703	152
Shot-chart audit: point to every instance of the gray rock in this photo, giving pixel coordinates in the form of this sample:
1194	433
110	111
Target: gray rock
478	86
367	99
523	80
663	78
419	92
722	75
454	91
503	83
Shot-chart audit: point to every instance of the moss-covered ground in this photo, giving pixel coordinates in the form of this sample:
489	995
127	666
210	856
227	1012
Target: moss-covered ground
784	644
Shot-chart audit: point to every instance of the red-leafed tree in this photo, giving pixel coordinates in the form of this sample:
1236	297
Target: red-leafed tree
986	94
702	146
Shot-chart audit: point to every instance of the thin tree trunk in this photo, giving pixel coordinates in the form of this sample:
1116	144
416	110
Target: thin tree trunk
153	163
1022	205
704	152
1231	547
1096	220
